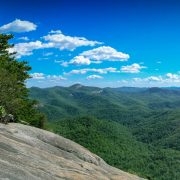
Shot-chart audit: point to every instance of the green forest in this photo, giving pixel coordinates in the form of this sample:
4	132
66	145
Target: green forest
134	129
117	146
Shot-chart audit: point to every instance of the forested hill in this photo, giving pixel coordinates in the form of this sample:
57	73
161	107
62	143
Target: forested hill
60	102
153	114
135	129
77	99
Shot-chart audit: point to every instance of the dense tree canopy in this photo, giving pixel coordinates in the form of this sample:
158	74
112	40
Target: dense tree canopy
13	91
117	146
137	130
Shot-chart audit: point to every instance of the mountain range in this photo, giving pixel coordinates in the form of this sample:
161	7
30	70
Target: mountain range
135	129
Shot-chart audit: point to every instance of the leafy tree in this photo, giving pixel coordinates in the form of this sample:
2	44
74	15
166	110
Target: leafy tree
13	91
2	112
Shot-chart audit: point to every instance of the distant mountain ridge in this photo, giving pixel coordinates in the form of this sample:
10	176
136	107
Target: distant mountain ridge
77	99
128	106
147	117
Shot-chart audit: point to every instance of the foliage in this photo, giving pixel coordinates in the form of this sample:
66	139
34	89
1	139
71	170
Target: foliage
137	128
117	146
152	114
13	91
2	111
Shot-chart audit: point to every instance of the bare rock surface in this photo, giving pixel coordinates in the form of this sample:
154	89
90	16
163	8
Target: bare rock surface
28	153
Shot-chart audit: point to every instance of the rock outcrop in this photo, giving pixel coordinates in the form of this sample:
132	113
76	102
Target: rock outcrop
28	153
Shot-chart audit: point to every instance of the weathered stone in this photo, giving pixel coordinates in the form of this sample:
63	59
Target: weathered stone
28	153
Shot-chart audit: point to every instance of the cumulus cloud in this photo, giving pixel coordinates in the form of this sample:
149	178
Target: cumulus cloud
173	76
24	38
154	78
37	76
80	60
94	77
55	39
86	70
97	56
41	76
18	26
134	68
55	32
56	77
167	78
105	53
149	79
26	49
64	42
64	63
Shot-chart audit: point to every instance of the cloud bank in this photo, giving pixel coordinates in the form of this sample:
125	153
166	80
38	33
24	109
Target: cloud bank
86	70
94	77
18	26
55	39
134	68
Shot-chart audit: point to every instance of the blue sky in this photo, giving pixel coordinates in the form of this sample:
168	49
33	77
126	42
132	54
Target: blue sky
100	43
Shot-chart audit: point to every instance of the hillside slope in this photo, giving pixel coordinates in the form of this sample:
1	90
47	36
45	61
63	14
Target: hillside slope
30	153
117	146
137	127
152	114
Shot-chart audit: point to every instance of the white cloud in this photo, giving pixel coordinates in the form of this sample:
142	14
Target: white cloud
55	39
167	79
56	77
173	76
105	53
94	77
26	49
55	32
152	81
134	68
149	79
98	55
18	26
42	76
24	38
64	42
86	70
65	64
80	60
75	71
154	78
37	76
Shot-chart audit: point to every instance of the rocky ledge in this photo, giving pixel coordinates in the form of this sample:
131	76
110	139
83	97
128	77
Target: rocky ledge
28	153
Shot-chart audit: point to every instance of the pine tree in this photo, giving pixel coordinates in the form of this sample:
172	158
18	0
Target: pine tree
13	90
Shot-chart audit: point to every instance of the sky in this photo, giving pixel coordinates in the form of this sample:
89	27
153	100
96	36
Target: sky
110	43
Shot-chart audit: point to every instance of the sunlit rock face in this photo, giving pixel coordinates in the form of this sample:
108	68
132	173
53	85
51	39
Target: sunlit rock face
34	154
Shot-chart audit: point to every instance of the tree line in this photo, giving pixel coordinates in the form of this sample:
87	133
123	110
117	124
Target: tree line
14	98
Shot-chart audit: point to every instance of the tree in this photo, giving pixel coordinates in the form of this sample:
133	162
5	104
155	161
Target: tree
13	91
